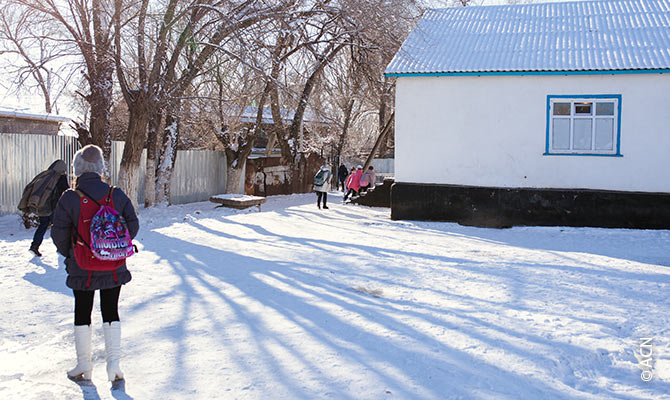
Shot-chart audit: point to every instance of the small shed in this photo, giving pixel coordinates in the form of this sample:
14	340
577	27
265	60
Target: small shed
13	121
535	114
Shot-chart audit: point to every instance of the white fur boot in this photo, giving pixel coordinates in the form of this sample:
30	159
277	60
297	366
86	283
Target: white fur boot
112	332
82	344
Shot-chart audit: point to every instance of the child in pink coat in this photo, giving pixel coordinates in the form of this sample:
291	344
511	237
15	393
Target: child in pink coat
354	182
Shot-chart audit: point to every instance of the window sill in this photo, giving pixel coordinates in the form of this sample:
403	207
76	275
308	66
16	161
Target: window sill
583	154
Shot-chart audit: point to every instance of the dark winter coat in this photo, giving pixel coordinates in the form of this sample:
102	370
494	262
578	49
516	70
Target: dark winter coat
42	193
61	186
65	220
342	173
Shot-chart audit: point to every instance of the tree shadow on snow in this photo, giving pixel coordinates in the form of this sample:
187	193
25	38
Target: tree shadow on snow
609	242
53	279
319	306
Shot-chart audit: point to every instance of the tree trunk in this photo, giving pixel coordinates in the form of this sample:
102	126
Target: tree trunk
152	150
280	131
101	83
272	141
167	156
47	99
296	124
237	159
382	136
136	138
100	101
235	178
345	129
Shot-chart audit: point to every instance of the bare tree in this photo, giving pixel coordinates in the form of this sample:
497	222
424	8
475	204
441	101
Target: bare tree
85	25
157	86
306	47
355	86
345	98
235	17
37	62
302	50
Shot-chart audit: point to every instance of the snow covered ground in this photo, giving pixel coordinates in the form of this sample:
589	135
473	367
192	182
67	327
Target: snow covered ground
298	303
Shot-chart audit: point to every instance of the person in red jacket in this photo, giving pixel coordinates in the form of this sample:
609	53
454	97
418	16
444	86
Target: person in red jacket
354	182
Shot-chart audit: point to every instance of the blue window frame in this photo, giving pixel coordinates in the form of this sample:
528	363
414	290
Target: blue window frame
584	125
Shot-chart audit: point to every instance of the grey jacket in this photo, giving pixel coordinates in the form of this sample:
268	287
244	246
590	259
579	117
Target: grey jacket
65	219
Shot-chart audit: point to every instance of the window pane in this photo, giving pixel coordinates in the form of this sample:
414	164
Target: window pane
604	133
561	134
561	108
605	109
583	108
582	134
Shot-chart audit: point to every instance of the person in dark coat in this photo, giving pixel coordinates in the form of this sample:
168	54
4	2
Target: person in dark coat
88	167
342	174
60	168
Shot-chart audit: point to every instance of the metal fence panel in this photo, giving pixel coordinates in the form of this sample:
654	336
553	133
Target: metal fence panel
197	175
384	165
24	156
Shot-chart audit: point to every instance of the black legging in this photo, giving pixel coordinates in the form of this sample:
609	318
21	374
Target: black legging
83	305
318	198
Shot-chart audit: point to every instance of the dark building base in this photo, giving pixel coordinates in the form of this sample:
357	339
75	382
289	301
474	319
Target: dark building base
506	207
380	196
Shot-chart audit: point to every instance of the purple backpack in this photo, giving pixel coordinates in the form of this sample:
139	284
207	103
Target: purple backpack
110	239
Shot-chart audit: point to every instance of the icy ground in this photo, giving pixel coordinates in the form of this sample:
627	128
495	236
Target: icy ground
297	303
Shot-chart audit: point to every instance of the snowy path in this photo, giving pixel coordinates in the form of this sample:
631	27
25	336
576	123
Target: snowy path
298	303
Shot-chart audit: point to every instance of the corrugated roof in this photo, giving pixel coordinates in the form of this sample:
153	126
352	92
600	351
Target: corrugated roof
11	113
603	35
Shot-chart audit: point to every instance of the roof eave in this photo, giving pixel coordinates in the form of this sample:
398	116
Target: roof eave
529	72
35	117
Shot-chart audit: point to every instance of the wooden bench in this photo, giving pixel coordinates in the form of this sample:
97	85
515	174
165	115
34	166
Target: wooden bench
239	201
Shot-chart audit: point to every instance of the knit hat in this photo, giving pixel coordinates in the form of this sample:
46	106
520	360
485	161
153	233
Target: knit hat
88	159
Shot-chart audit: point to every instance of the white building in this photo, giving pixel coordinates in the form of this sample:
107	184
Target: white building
536	114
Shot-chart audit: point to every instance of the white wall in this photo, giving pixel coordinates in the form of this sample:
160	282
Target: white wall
491	131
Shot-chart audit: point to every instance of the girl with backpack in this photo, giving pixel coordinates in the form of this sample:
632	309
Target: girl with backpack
322	186
69	214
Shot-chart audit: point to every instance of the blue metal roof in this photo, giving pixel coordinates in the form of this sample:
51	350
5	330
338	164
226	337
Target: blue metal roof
580	36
